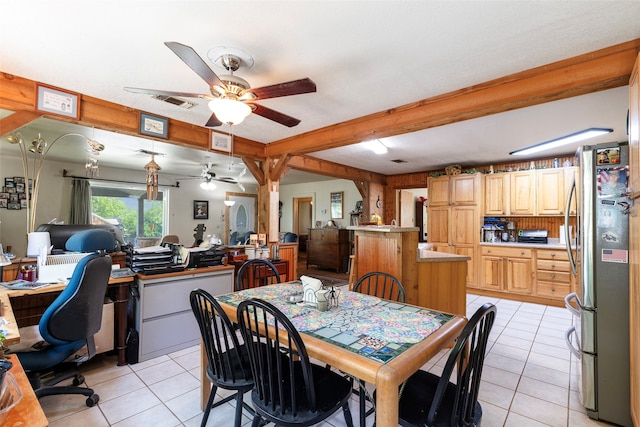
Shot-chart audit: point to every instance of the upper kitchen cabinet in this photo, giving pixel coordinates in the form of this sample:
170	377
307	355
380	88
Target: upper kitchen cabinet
458	190
522	201
438	191
496	194
550	195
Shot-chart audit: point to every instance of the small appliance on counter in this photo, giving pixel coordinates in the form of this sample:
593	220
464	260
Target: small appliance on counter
533	236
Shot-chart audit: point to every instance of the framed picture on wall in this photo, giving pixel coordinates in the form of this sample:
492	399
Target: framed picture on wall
337	204
200	209
57	101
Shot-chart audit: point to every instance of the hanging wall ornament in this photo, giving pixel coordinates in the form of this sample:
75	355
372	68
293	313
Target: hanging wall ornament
152	179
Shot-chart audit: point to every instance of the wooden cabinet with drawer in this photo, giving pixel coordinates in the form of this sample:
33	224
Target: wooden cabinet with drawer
328	248
553	273
507	269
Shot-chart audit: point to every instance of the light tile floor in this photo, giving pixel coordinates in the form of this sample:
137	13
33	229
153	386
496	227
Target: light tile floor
528	380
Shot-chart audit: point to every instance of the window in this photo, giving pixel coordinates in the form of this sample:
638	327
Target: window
127	207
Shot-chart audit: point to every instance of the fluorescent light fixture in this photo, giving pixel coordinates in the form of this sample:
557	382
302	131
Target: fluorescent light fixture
376	146
229	202
563	140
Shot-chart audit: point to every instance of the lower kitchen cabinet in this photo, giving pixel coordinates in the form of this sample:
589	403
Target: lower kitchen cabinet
164	319
553	273
507	269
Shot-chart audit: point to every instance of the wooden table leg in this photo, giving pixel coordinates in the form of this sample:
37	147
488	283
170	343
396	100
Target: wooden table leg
387	397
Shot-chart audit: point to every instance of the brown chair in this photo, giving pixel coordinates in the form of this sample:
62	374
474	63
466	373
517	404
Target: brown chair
255	273
170	238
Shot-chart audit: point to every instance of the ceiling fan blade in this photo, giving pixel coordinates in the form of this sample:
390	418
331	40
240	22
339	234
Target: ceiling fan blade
167	93
228	179
213	121
294	87
195	62
274	115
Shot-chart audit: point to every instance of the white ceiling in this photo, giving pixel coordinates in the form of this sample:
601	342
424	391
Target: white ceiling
365	57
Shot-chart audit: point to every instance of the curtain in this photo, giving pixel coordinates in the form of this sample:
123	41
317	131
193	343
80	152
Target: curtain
80	202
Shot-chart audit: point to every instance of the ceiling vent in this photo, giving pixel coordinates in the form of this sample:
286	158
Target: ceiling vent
399	161
175	101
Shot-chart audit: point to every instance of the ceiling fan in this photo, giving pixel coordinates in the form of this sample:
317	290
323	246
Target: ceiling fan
232	93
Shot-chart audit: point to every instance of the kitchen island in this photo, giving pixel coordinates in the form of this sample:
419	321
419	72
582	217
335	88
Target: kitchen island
430	279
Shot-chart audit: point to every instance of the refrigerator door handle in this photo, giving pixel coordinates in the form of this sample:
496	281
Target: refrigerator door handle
567	230
567	337
570	307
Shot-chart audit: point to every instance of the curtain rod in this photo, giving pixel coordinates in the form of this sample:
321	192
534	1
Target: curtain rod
65	174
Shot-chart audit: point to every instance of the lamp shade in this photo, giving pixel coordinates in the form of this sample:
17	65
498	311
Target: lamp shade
229	111
229	202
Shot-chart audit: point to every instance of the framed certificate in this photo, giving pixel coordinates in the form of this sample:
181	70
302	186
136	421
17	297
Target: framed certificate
154	126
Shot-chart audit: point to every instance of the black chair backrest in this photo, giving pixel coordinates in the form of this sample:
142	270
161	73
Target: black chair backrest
255	273
290	237
382	285
467	357
274	374
77	313
226	357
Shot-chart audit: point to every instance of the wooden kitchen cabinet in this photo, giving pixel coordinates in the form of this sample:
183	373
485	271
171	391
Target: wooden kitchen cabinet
496	194
553	274
328	248
522	192
550	194
454	218
507	269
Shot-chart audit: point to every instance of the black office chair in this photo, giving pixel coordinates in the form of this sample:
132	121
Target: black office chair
255	273
429	400
72	319
288	391
227	360
382	285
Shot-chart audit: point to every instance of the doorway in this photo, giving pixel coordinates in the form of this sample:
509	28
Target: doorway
302	220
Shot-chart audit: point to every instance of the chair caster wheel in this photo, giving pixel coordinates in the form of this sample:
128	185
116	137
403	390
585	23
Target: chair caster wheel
77	380
92	400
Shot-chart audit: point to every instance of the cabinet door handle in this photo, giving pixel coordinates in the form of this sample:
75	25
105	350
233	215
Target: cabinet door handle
553	255
522	253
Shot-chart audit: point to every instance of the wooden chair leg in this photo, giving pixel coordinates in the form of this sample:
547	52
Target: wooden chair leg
352	271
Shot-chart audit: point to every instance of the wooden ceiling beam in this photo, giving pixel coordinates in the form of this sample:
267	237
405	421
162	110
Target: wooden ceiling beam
603	69
255	169
280	167
336	170
17	120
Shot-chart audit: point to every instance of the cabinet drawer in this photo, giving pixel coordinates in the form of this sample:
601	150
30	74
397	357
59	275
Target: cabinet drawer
507	252
553	276
545	264
554	290
549	254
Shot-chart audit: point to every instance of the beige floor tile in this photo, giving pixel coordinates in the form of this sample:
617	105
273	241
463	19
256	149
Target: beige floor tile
496	395
509	351
128	405
150	362
118	386
549	362
184	351
539	410
188	360
547	375
517	420
545	391
532	308
492	416
506	363
511	341
549	350
102	374
174	386
159	372
61	406
157	416
554	340
517	333
500	377
187	406
580	419
88	417
523	326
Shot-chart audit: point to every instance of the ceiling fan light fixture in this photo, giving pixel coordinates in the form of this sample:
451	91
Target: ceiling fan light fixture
229	203
229	111
207	185
563	140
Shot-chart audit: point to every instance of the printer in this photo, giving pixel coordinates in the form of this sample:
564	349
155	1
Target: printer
205	257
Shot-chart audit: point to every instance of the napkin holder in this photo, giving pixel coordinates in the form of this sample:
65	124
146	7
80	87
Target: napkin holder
310	286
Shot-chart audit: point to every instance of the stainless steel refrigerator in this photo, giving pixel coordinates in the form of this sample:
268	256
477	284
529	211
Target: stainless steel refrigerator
601	336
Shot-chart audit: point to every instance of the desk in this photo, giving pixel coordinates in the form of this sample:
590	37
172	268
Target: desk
28	411
120	286
415	335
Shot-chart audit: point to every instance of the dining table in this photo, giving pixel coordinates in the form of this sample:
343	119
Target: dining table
378	341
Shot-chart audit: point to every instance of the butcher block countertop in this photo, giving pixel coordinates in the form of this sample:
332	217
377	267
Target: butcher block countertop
435	256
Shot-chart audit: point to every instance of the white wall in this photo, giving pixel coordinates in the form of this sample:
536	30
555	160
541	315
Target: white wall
55	194
320	193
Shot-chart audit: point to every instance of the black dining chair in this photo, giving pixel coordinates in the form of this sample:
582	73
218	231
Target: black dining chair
288	391
386	286
380	284
227	360
430	400
255	273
